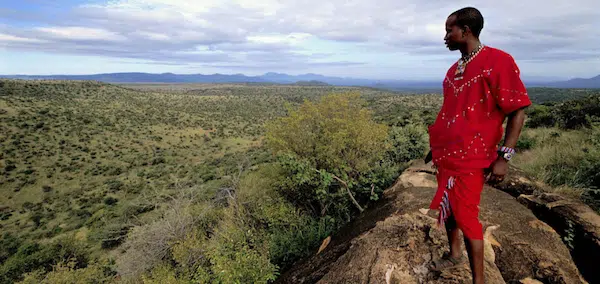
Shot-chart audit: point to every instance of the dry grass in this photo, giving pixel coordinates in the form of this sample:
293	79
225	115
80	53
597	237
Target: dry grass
558	158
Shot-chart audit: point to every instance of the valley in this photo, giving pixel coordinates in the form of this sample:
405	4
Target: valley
88	168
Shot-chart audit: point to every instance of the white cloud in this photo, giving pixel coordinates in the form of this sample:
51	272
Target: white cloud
154	36
289	39
254	32
15	39
80	33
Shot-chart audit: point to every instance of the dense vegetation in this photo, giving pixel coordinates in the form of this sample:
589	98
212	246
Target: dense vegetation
148	182
562	146
541	95
222	183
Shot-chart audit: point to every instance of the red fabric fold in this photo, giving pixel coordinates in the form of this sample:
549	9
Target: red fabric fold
463	192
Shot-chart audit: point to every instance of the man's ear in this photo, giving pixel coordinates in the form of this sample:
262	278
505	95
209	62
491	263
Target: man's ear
465	31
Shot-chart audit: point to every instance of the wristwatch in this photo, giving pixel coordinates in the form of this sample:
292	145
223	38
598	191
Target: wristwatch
507	153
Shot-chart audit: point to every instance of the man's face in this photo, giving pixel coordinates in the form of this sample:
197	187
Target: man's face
454	35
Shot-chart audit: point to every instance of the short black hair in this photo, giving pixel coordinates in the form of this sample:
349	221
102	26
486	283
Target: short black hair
470	17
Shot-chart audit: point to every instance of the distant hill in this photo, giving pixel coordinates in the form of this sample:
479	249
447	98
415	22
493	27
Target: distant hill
282	78
311	83
138	77
271	77
578	83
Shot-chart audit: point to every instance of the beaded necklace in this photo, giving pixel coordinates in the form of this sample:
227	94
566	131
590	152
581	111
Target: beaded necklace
463	61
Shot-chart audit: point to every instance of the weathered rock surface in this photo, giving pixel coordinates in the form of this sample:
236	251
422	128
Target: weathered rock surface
395	240
577	223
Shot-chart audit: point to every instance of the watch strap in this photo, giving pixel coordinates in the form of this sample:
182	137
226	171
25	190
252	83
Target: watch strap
509	150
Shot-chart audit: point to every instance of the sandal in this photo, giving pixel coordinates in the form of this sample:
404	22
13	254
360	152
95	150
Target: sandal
446	261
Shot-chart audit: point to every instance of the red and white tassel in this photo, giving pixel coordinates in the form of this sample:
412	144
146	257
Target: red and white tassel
445	203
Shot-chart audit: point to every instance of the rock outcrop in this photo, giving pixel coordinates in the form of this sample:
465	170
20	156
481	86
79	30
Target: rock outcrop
395	240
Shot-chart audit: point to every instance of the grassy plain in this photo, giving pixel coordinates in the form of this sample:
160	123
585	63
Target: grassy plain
94	160
103	164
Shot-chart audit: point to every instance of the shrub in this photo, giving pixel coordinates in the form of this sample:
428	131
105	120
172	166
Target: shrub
111	235
540	116
408	143
574	114
291	234
191	256
525	142
33	256
147	246
46	188
292	242
109	200
67	273
9	245
239	253
578	114
326	148
164	274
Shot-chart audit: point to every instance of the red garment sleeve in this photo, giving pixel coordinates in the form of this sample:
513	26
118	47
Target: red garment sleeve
506	85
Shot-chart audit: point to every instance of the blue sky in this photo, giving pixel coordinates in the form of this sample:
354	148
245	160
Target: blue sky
385	39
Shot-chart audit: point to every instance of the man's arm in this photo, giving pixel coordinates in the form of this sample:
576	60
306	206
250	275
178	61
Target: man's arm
511	97
514	125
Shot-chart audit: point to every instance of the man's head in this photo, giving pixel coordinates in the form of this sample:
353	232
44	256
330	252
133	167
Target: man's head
461	26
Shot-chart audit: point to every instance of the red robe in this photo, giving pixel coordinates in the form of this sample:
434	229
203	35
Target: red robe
465	135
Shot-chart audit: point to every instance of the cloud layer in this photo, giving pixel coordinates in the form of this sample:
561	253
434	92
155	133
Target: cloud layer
274	34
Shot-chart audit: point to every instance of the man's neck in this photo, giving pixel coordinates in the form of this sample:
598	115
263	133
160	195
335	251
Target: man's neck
470	46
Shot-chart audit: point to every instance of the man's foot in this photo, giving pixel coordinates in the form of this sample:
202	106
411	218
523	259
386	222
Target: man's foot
447	261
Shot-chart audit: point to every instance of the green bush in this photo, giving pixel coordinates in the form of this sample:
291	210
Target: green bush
290	243
150	245
239	253
67	273
165	274
33	256
110	236
109	200
326	148
409	142
573	114
525	142
9	245
578	114
291	233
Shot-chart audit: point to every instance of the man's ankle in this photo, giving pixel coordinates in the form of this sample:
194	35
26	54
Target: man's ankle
456	255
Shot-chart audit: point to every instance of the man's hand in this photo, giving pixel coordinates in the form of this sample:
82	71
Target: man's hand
497	171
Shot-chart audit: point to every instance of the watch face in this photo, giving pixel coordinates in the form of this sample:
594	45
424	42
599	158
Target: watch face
508	156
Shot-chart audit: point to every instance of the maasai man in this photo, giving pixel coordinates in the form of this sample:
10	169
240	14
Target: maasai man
481	90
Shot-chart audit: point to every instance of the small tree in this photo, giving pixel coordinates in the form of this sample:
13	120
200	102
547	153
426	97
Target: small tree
329	149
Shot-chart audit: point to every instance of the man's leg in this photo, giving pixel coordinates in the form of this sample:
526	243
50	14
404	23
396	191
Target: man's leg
455	257
466	198
453	237
475	252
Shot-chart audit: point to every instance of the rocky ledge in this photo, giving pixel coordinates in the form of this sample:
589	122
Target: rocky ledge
530	237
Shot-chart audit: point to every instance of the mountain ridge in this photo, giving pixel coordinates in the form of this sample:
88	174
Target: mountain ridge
593	82
283	78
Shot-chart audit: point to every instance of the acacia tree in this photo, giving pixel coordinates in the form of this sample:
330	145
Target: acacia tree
329	150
